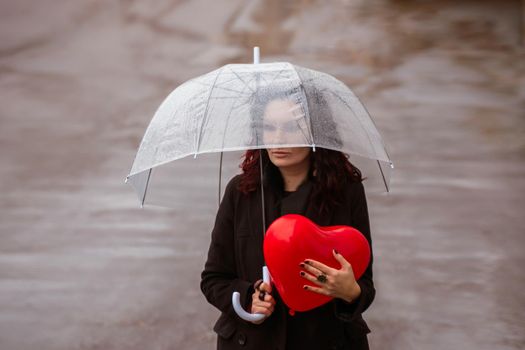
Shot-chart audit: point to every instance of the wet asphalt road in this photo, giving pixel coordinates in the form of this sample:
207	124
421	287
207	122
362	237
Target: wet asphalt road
82	267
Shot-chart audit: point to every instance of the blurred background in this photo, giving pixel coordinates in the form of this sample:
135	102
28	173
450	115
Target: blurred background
83	267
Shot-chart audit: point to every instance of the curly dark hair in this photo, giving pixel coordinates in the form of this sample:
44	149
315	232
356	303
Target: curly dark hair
329	172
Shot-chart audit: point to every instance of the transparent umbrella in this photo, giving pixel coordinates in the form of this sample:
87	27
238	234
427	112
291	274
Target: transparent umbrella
239	107
255	106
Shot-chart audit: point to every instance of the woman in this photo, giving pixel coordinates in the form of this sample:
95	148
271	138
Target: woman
323	186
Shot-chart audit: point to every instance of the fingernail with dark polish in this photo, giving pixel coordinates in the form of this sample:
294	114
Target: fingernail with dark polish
302	273
307	262
301	264
335	251
305	287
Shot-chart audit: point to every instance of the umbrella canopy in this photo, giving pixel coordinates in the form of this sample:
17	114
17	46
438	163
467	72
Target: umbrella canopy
253	106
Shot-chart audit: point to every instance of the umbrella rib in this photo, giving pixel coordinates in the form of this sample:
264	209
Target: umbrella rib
360	122
220	179
368	136
226	80
262	195
373	122
278	74
304	134
383	176
206	112
239	92
309	125
229	97
241	80
260	75
235	105
146	188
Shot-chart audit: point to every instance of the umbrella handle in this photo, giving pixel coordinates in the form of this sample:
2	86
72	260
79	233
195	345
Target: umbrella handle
236	302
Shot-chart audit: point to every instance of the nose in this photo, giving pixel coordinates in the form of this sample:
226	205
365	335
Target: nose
274	137
278	136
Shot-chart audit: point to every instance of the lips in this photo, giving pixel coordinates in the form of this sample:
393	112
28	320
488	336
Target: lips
279	154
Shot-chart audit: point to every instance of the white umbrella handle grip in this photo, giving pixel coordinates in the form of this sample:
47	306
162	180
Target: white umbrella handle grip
236	302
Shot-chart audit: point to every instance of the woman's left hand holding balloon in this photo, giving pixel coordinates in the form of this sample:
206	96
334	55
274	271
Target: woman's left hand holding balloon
335	283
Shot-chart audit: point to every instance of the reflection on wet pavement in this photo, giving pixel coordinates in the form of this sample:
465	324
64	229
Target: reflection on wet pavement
82	267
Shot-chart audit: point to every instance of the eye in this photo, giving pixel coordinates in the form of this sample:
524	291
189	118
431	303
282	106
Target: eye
290	126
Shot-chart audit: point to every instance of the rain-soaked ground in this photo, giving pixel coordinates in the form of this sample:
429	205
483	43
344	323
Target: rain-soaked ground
82	267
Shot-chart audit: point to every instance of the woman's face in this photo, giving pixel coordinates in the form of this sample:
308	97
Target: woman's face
284	124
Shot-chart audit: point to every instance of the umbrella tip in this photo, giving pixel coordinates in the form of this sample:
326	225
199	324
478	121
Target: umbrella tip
256	55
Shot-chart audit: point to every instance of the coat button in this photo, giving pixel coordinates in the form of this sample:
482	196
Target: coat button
241	339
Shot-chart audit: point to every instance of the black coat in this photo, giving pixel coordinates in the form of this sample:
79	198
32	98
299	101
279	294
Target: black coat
235	261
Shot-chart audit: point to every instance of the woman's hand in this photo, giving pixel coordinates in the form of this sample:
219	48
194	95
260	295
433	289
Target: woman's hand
336	283
262	301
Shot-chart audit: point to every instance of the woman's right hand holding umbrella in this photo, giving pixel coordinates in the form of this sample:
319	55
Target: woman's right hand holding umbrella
262	301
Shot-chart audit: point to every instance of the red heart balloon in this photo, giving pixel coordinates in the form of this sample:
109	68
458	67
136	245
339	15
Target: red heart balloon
293	238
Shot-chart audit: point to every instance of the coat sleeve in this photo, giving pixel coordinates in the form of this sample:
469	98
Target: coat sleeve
349	311
219	279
